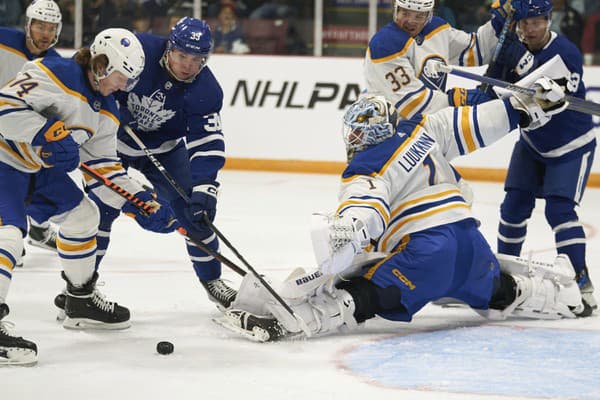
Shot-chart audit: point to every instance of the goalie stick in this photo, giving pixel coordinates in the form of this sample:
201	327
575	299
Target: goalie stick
574	103
169	178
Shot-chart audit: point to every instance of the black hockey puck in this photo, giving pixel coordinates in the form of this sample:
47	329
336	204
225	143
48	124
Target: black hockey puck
164	347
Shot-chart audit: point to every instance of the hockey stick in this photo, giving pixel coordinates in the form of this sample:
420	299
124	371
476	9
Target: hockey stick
157	163
501	38
87	170
575	103
220	235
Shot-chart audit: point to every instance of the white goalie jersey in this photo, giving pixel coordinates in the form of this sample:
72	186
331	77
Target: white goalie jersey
57	88
408	180
396	65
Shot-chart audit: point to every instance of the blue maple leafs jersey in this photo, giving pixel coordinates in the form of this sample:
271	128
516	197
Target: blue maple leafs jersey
568	134
166	111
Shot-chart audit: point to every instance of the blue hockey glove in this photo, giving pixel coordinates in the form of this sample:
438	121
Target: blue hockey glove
59	150
203	200
162	220
515	55
467	97
501	8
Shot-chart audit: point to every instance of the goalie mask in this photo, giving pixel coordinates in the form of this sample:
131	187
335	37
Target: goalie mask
369	121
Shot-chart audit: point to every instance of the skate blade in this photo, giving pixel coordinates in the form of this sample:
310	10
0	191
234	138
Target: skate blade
257	334
41	245
11	356
84	323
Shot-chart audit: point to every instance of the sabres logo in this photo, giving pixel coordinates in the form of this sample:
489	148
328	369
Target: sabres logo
432	79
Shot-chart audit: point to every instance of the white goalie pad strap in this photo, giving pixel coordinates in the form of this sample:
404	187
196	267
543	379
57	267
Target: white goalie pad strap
546	299
561	270
336	240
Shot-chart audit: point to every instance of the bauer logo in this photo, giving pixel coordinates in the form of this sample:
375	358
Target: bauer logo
293	94
308	278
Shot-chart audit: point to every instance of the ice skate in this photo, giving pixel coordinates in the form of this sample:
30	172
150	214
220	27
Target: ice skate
87	308
42	237
254	327
14	350
219	293
59	302
587	293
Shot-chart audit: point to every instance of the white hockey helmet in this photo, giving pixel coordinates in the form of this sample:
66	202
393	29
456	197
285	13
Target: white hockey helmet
415	5
44	10
124	52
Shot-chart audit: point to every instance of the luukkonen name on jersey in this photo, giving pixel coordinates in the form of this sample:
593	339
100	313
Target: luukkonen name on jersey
414	153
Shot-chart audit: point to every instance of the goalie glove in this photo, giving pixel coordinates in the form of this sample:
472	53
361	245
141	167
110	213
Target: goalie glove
336	240
536	111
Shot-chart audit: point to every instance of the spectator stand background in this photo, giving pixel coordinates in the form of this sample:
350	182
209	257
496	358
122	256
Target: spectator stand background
286	27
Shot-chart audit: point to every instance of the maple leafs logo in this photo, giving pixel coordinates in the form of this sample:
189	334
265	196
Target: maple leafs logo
149	112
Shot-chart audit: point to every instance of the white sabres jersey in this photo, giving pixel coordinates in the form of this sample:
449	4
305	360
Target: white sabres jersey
14	53
406	184
397	66
55	89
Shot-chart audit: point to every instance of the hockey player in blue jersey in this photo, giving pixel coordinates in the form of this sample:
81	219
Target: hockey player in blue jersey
402	234
554	161
174	110
55	113
43	23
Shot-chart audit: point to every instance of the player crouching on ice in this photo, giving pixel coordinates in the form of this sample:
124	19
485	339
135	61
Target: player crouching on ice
403	235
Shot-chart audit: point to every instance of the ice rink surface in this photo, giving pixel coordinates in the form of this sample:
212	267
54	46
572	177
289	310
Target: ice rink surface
445	353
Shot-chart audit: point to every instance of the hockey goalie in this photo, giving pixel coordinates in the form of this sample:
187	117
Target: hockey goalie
403	234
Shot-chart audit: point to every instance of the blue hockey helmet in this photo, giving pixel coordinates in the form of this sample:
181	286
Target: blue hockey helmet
191	35
539	8
369	121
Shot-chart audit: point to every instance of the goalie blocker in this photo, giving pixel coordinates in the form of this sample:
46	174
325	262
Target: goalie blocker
526	289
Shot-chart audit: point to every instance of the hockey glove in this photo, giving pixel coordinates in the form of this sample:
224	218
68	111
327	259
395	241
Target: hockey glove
500	9
467	97
162	220
58	149
336	240
536	111
515	55
203	201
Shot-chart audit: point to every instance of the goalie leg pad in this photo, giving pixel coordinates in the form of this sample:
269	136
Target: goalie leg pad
543	291
252	296
323	313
